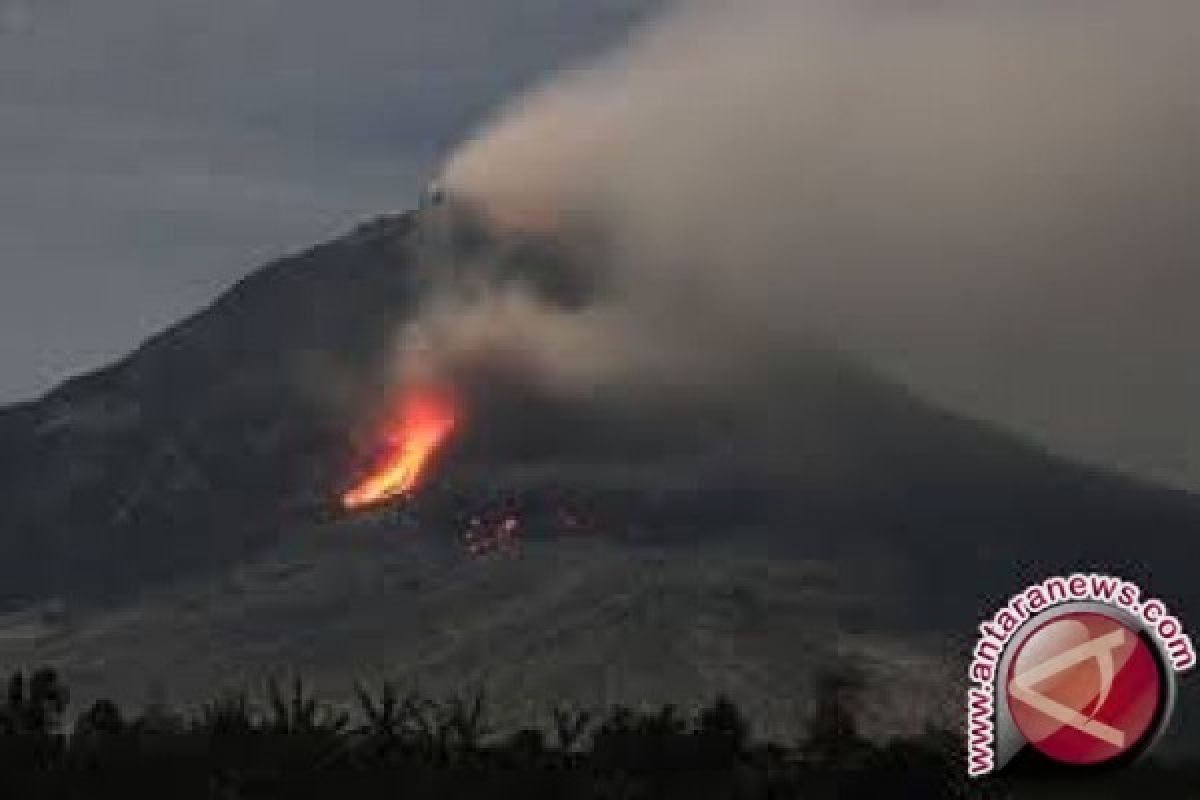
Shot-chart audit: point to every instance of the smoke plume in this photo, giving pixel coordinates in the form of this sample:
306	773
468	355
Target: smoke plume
994	202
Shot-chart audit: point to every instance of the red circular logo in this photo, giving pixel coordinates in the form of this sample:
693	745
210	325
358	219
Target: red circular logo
1084	688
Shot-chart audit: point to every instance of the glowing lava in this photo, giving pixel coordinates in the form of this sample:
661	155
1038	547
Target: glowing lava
426	418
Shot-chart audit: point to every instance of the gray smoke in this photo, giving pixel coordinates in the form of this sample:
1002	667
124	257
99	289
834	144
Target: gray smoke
994	202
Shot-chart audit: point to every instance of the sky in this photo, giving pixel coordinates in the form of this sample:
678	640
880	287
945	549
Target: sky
152	152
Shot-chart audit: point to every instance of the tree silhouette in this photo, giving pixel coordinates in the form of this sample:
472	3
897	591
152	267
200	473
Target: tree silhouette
288	743
833	738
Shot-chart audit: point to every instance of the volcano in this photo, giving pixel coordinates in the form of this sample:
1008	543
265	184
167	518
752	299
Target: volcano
188	500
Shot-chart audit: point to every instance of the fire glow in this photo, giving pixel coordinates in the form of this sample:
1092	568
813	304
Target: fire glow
426	417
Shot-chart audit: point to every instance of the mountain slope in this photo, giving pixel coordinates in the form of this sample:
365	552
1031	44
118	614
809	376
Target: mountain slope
217	438
190	450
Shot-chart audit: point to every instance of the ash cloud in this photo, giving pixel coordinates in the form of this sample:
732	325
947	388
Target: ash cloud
995	203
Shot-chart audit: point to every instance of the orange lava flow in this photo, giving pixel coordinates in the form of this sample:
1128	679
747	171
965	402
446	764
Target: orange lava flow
426	419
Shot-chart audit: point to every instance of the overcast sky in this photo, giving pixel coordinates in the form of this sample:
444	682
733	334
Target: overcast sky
154	151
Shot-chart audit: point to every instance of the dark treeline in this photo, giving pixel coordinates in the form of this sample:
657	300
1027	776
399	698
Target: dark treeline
287	743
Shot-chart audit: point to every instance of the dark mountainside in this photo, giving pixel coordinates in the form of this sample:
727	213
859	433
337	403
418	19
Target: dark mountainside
172	521
209	441
201	445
